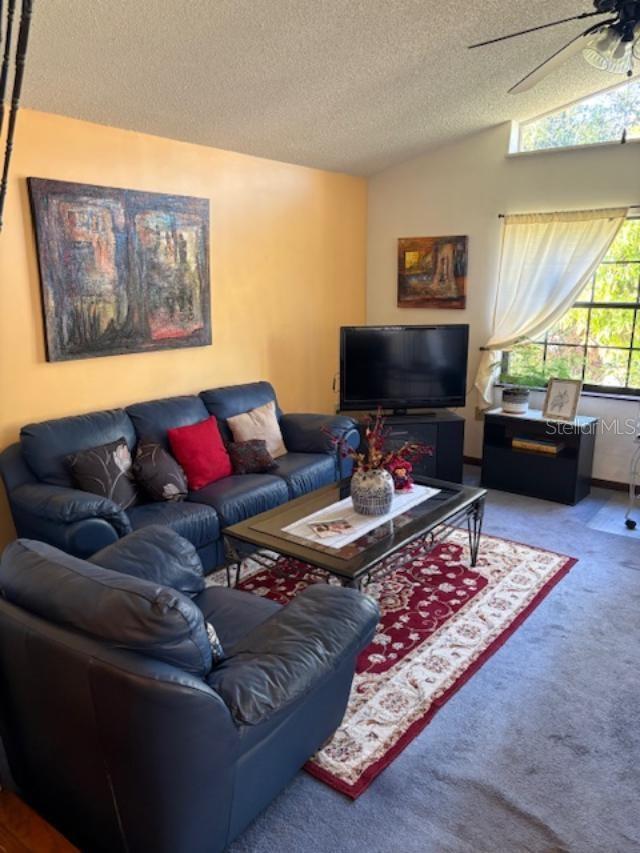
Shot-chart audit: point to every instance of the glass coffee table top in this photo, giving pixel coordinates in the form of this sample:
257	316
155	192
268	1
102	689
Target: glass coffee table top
452	504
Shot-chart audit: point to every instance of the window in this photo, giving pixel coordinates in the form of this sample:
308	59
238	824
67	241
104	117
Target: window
598	339
604	117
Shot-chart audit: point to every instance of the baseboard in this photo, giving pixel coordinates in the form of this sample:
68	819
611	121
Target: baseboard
600	484
610	484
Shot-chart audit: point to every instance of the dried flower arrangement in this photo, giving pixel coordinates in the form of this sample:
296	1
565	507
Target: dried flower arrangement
373	453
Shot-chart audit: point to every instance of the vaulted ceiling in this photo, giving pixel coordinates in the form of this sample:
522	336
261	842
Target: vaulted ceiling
349	85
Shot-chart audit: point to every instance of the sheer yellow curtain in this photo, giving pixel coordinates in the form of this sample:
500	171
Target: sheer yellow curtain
547	258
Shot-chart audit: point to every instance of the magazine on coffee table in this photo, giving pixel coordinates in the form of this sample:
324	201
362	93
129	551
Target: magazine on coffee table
339	524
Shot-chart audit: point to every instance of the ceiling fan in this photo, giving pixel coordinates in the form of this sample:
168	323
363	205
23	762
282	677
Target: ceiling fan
610	45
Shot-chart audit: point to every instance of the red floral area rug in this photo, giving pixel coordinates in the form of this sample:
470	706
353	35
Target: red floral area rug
441	620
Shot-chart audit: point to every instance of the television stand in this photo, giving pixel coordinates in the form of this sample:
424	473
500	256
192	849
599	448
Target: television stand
442	430
530	455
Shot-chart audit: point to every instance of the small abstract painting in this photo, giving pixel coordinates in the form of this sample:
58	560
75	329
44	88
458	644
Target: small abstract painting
432	272
121	271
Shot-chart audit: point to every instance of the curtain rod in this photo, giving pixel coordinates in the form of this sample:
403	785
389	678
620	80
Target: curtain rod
630	206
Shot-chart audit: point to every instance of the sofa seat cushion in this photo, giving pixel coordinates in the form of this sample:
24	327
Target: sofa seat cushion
121	610
233	612
242	495
196	522
304	472
285	657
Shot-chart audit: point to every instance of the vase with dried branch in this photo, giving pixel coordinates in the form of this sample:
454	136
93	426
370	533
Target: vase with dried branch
380	470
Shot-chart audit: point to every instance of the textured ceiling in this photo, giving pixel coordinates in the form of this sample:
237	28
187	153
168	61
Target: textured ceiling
349	85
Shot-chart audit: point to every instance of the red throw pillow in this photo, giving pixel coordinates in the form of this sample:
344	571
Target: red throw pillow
201	452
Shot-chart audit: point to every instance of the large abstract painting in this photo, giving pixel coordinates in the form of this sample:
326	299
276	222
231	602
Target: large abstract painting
432	272
121	271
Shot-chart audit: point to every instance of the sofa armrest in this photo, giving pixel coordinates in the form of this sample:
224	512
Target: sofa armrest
317	433
281	660
61	505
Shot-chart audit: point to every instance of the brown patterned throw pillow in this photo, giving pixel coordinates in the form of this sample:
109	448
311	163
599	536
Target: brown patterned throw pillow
105	471
250	457
158	473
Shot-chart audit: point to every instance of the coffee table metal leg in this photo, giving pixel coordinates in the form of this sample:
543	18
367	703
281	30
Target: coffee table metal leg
474	525
231	558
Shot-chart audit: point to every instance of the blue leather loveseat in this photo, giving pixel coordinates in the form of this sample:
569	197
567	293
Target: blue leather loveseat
119	726
45	505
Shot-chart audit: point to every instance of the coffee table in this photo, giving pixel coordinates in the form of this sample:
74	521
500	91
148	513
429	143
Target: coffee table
432	519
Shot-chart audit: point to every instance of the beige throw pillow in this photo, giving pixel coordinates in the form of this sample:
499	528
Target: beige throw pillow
262	424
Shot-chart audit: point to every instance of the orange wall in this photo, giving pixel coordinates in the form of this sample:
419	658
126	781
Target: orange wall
287	269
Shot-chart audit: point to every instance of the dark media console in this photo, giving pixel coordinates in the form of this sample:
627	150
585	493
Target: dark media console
442	430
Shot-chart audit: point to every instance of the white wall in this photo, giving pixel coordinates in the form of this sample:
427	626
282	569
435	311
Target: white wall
461	189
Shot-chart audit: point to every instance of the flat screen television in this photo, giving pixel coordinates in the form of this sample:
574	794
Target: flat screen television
403	367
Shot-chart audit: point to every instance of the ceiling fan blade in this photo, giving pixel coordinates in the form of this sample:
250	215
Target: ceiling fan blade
535	29
555	60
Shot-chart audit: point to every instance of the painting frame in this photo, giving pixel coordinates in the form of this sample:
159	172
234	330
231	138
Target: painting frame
121	271
433	272
565	411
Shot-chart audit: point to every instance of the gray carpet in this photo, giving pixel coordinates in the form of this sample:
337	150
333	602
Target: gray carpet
611	517
539	751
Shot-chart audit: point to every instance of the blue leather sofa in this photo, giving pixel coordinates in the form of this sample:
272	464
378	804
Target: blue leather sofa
118	728
45	505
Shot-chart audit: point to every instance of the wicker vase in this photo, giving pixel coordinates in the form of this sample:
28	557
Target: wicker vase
372	492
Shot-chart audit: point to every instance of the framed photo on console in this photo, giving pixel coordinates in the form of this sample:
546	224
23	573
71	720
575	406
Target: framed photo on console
561	402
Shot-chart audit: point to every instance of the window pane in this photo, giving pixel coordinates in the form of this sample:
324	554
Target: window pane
617	283
587	293
606	367
611	327
636	334
626	246
634	373
564	362
599	118
571	329
525	365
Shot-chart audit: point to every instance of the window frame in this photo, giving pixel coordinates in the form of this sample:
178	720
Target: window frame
606	390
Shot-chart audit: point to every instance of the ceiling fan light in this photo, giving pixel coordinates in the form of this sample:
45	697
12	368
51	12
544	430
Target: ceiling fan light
621	61
594	58
608	51
600	46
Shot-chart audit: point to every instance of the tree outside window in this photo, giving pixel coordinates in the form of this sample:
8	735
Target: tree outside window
604	117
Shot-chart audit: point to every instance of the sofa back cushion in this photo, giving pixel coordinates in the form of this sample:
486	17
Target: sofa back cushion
46	445
152	420
236	400
158	554
120	610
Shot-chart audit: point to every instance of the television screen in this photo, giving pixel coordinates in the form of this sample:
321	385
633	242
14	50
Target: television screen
403	367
